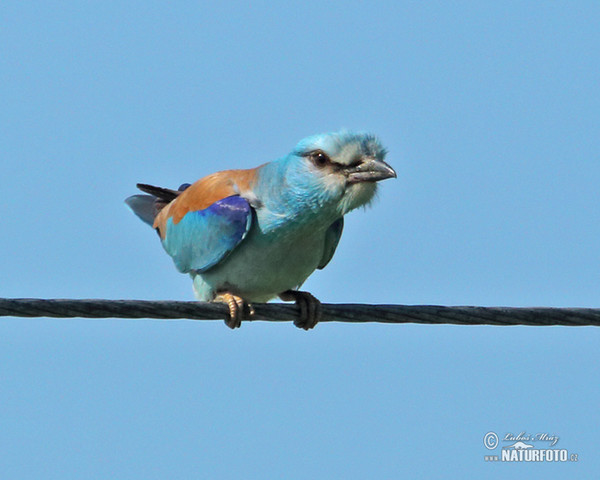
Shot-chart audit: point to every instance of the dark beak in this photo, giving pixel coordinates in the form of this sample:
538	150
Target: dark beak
370	170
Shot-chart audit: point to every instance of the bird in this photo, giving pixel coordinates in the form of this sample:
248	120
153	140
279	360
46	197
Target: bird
248	236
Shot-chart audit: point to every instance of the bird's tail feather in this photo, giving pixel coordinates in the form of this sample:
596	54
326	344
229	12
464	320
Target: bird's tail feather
145	207
165	194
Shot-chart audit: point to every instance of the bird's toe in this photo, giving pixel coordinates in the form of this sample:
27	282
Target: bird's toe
236	308
310	308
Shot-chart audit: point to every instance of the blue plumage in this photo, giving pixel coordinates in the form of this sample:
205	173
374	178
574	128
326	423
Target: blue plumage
332	237
205	237
143	206
251	235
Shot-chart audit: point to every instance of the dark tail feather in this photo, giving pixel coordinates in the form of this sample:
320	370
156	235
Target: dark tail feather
165	194
146	207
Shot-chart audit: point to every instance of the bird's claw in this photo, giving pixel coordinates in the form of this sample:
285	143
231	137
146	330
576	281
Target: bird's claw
310	308
238	309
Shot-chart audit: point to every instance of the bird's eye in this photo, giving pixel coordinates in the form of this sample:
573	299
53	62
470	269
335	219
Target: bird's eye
320	159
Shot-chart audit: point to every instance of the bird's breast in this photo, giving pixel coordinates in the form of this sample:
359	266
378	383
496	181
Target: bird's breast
269	261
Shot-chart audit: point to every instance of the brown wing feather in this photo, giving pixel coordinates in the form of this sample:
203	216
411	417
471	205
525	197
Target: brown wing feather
204	193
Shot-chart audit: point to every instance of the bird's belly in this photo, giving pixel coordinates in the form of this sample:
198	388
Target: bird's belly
261	267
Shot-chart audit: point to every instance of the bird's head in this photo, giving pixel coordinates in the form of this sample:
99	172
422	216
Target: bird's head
344	166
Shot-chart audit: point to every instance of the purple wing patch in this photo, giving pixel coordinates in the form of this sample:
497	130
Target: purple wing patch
204	238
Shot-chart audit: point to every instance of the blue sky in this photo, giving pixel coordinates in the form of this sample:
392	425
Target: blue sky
490	113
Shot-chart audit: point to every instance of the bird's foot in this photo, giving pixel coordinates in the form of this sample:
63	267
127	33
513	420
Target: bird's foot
310	308
238	309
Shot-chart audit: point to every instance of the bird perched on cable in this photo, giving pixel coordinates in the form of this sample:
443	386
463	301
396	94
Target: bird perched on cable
252	235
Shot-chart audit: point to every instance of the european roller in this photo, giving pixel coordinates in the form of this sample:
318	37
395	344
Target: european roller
251	235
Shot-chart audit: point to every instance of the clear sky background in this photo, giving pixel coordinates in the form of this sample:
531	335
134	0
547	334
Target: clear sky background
491	114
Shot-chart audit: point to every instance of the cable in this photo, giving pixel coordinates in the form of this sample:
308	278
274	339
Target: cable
353	313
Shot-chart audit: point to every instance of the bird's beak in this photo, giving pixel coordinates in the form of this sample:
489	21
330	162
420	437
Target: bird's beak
370	170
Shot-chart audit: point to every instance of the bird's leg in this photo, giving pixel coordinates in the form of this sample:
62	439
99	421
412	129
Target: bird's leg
237	308
310	308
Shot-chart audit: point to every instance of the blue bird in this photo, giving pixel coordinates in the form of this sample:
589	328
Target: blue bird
252	235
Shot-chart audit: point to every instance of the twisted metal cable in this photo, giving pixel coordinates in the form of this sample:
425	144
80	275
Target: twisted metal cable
275	312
